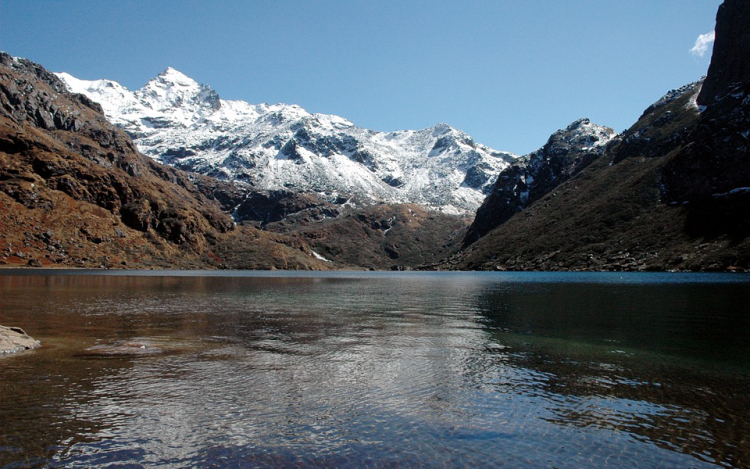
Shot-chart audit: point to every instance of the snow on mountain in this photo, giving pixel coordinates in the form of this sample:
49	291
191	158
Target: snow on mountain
566	153
177	121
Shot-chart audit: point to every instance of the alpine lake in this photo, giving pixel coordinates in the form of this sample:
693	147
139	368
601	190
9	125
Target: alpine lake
181	369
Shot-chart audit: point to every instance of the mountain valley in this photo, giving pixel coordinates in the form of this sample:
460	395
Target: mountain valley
172	176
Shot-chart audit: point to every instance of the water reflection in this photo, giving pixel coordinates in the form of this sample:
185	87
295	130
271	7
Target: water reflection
407	370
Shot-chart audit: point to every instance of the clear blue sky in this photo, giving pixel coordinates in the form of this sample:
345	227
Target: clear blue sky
507	72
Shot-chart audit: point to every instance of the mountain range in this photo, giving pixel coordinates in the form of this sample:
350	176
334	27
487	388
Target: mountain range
171	175
76	192
178	122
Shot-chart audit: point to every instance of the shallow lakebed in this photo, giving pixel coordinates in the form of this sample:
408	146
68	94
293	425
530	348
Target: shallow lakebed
346	369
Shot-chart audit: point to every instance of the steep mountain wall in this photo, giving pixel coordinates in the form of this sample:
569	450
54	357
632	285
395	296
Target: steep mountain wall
729	62
711	176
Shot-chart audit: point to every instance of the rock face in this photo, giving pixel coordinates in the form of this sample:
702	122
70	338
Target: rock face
565	154
14	339
729	62
78	180
264	207
711	175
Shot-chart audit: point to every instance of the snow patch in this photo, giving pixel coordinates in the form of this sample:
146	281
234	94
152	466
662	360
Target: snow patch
738	190
319	257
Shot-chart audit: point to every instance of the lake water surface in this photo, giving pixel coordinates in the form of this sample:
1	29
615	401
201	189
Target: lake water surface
238	369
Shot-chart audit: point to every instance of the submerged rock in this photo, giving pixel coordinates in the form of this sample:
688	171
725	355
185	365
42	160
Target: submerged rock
14	339
122	349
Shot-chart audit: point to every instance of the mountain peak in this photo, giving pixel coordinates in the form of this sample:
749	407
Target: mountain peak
172	89
582	122
583	133
441	129
171	75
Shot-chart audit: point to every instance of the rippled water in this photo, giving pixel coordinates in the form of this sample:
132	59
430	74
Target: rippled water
376	370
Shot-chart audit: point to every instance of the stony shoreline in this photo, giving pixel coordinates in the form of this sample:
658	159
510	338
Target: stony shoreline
15	339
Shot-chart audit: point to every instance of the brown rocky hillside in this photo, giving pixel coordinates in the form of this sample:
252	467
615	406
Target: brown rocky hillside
75	192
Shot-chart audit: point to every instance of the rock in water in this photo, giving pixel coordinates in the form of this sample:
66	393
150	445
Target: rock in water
14	339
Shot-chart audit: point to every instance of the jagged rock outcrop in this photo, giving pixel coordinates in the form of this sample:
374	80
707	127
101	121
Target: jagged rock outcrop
566	153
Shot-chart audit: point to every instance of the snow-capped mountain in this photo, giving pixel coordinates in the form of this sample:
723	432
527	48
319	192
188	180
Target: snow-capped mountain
176	121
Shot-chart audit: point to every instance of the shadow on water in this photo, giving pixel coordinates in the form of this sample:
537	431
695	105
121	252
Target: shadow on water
666	363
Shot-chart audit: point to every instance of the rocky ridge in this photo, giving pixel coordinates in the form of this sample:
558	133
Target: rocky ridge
566	153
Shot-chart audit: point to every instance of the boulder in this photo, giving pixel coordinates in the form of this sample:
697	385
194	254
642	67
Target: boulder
14	339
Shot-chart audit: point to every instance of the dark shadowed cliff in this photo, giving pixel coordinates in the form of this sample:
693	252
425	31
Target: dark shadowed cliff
729	62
